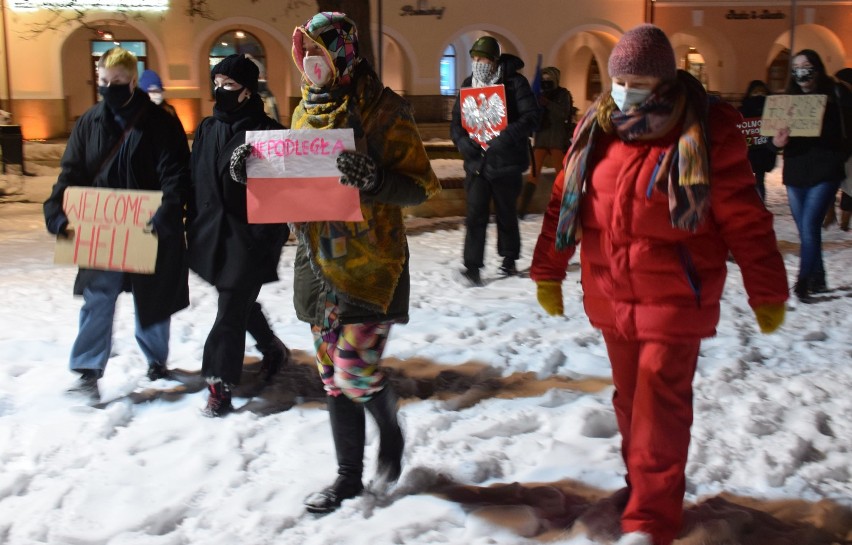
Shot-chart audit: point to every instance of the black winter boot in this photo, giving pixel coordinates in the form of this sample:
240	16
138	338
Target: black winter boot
157	370
802	291
527	193
383	408
275	357
508	267
219	400
347	428
87	384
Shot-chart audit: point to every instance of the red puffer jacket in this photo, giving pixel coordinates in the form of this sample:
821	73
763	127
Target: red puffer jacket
643	278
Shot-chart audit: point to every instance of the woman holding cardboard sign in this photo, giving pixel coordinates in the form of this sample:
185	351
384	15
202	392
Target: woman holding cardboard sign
814	166
224	249
351	280
126	142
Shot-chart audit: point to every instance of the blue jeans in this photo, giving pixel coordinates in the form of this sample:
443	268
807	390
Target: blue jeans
808	206
92	347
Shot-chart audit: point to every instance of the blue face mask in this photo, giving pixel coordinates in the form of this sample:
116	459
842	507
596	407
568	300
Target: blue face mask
626	98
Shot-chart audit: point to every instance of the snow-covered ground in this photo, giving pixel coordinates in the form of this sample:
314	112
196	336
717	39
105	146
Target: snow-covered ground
773	412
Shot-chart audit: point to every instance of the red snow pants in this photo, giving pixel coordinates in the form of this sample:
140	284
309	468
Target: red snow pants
653	406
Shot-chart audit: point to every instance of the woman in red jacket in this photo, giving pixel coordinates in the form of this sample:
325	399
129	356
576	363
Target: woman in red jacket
658	184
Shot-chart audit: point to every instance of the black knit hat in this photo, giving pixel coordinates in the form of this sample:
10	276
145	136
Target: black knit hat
240	69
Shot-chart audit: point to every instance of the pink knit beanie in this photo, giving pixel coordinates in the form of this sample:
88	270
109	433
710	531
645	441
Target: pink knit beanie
643	51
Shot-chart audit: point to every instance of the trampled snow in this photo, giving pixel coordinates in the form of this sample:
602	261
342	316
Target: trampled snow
773	412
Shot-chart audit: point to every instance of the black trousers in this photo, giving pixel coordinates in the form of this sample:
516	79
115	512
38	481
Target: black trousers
224	349
480	192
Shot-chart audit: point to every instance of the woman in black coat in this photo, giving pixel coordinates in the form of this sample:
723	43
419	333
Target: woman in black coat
126	142
224	249
814	166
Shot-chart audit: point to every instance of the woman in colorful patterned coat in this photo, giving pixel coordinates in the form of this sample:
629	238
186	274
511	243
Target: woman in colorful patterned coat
351	279
659	185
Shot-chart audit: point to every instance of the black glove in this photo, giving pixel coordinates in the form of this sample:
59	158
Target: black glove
238	163
159	224
58	225
469	148
359	171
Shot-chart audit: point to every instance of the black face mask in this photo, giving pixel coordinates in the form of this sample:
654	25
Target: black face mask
547	85
116	96
804	75
227	101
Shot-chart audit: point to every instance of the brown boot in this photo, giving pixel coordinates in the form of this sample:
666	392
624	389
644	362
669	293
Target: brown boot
830	218
845	216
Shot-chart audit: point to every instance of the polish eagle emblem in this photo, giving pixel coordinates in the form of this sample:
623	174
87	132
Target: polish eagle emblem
483	114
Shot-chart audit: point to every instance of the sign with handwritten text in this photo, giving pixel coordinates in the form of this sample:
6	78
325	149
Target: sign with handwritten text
108	228
293	177
802	114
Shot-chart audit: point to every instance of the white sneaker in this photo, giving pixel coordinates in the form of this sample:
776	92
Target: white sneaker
635	538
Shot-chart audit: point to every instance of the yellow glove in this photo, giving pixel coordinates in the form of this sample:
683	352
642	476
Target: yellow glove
549	295
770	317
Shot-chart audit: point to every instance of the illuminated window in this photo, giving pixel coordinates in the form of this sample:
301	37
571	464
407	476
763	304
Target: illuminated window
448	72
778	72
695	65
593	80
234	42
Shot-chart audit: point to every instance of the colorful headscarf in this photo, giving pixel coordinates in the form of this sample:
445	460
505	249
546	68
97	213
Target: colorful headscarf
337	35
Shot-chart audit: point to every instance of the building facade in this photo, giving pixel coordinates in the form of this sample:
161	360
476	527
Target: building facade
47	78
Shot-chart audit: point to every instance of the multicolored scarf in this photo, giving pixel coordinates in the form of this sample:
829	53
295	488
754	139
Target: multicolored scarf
683	171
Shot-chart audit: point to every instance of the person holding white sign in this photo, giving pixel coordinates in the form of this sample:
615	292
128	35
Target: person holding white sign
494	170
351	280
224	249
126	142
814	167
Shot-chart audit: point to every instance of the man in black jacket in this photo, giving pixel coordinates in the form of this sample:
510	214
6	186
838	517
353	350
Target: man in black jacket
126	142
496	173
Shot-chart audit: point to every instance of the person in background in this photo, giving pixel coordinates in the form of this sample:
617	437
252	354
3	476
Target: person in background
351	280
126	142
496	173
553	136
844	75
224	249
814	166
270	103
654	237
151	83
761	158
